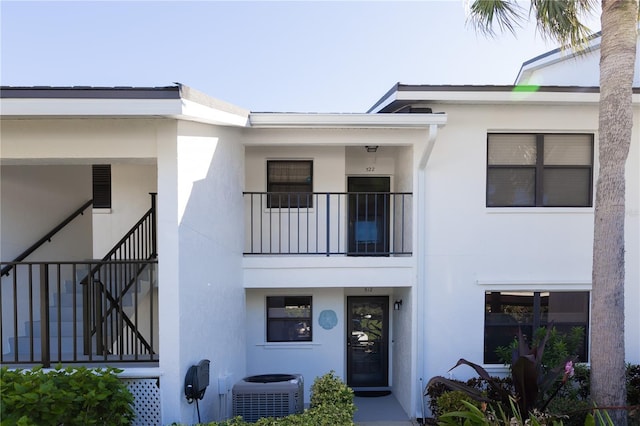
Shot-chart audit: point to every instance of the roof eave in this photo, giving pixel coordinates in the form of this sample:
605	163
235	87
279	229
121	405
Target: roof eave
345	121
542	95
176	102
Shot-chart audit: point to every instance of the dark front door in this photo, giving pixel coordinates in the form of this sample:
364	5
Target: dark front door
367	341
369	212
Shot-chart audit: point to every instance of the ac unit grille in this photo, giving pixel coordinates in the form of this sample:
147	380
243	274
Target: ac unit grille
255	406
253	400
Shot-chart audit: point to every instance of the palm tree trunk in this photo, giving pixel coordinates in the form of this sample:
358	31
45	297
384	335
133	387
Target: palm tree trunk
619	21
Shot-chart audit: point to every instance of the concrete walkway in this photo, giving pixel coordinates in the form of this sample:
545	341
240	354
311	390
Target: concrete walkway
380	411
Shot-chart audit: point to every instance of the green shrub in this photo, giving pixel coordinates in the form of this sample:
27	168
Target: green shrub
572	402
452	401
71	396
437	389
330	390
633	384
572	410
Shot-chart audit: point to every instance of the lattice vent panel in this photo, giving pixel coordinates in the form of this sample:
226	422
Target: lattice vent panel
146	404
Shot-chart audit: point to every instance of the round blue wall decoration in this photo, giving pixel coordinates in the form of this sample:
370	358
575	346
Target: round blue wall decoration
328	319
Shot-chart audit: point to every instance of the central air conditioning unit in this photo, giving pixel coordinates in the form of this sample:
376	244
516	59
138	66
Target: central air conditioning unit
268	395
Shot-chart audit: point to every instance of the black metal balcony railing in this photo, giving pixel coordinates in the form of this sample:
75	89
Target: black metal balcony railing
328	223
78	312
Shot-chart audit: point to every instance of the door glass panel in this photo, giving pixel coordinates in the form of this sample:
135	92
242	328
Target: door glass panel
369	213
367	343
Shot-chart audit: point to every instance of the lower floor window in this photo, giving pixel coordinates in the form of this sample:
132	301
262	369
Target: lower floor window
289	319
506	312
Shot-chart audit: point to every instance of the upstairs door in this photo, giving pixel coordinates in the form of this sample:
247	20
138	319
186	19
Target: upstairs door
367	341
369	212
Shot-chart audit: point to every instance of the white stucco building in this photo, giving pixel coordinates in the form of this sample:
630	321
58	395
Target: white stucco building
382	245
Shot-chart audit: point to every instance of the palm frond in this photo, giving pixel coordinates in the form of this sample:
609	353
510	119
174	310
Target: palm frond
562	20
484	15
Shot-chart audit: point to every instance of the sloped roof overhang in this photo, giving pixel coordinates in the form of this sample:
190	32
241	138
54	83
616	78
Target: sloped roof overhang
178	102
402	95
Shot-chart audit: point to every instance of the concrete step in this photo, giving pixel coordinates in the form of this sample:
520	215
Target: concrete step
23	345
68	299
66	328
67	313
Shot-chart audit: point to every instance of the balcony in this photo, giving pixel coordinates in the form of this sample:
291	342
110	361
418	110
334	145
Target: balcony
328	223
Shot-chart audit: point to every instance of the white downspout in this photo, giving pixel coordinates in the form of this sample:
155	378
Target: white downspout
419	256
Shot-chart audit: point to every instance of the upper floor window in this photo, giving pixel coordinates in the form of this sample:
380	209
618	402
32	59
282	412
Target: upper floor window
539	170
506	312
289	319
289	183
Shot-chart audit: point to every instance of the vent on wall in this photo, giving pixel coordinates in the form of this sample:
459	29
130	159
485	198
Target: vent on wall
268	395
101	186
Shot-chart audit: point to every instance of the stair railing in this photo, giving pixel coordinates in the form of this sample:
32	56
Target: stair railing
139	243
46	238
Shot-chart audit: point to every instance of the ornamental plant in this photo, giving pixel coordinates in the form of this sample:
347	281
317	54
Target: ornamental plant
531	382
70	396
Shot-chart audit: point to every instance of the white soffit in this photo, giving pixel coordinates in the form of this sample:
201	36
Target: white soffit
339	121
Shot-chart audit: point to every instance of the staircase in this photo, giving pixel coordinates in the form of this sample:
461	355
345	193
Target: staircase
65	326
99	311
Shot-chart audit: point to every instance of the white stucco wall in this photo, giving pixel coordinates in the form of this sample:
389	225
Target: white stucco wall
35	199
315	275
471	249
632	244
202	299
403	347
131	184
129	145
327	351
77	140
311	359
328	175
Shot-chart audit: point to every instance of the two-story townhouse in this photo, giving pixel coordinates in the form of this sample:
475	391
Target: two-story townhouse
383	246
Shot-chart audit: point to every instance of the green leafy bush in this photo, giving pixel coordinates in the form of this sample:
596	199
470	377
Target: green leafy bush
330	390
71	396
453	401
436	389
571	405
535	384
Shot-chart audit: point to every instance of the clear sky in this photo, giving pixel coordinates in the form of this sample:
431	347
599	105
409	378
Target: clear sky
264	56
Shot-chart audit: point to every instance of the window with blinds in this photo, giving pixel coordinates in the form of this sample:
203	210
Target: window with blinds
539	170
101	186
289	183
289	319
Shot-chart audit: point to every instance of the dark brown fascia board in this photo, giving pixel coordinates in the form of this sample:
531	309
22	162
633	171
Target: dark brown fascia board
89	92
